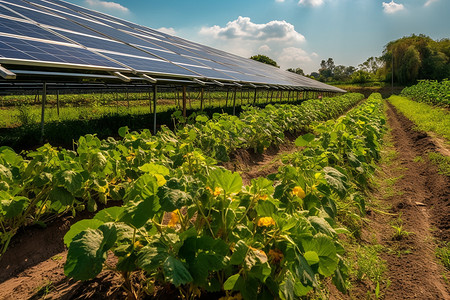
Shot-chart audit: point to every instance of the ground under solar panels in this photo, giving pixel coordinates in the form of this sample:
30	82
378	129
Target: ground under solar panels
53	33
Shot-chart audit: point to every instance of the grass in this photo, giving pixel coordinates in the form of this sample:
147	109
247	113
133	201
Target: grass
369	263
399	232
442	162
25	110
443	253
426	117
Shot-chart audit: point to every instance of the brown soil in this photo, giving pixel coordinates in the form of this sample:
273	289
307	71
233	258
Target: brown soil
419	197
252	165
33	266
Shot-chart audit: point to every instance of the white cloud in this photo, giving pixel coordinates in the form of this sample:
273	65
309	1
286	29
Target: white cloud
166	30
313	3
392	7
277	39
279	1
264	48
243	28
106	5
292	56
429	2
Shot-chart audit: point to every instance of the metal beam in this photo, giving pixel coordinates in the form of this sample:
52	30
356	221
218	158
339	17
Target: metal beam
6	74
148	78
121	76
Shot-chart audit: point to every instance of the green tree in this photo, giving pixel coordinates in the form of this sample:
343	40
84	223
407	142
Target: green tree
417	57
326	70
264	59
298	71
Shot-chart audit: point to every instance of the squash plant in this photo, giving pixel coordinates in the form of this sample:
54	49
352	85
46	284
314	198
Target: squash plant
199	229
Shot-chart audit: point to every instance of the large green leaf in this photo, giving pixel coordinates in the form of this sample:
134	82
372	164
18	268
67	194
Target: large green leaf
5	173
14	207
239	253
326	250
205	263
152	256
71	180
61	195
42	179
321	225
287	287
143	202
87	252
175	271
153	168
304	140
110	214
232	282
230	182
80	226
221	153
171	199
123	131
265	208
336	180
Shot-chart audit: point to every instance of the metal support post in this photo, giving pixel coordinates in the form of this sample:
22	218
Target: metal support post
44	99
155	98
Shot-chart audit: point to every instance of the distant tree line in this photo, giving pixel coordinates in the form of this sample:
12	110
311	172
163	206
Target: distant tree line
413	58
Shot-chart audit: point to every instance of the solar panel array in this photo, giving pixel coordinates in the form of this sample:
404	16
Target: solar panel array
53	33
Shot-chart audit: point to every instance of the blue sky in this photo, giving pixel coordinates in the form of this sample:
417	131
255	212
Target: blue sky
295	33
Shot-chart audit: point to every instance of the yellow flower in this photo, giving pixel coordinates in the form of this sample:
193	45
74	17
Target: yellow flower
137	245
217	191
299	192
266	221
263	197
174	219
131	156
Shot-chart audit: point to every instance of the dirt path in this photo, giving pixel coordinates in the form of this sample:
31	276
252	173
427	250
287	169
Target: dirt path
418	201
253	165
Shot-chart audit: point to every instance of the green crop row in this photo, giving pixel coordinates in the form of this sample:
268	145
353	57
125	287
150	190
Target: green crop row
430	92
49	182
196	227
257	128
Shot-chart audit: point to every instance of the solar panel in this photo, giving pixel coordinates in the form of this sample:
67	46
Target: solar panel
61	34
14	48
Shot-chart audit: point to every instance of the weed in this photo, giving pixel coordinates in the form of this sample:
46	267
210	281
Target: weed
399	232
25	116
418	159
57	257
369	264
443	253
443	162
43	290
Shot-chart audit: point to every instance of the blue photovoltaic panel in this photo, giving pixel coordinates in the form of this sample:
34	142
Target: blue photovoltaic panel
156	66
26	29
50	20
15	48
7	12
